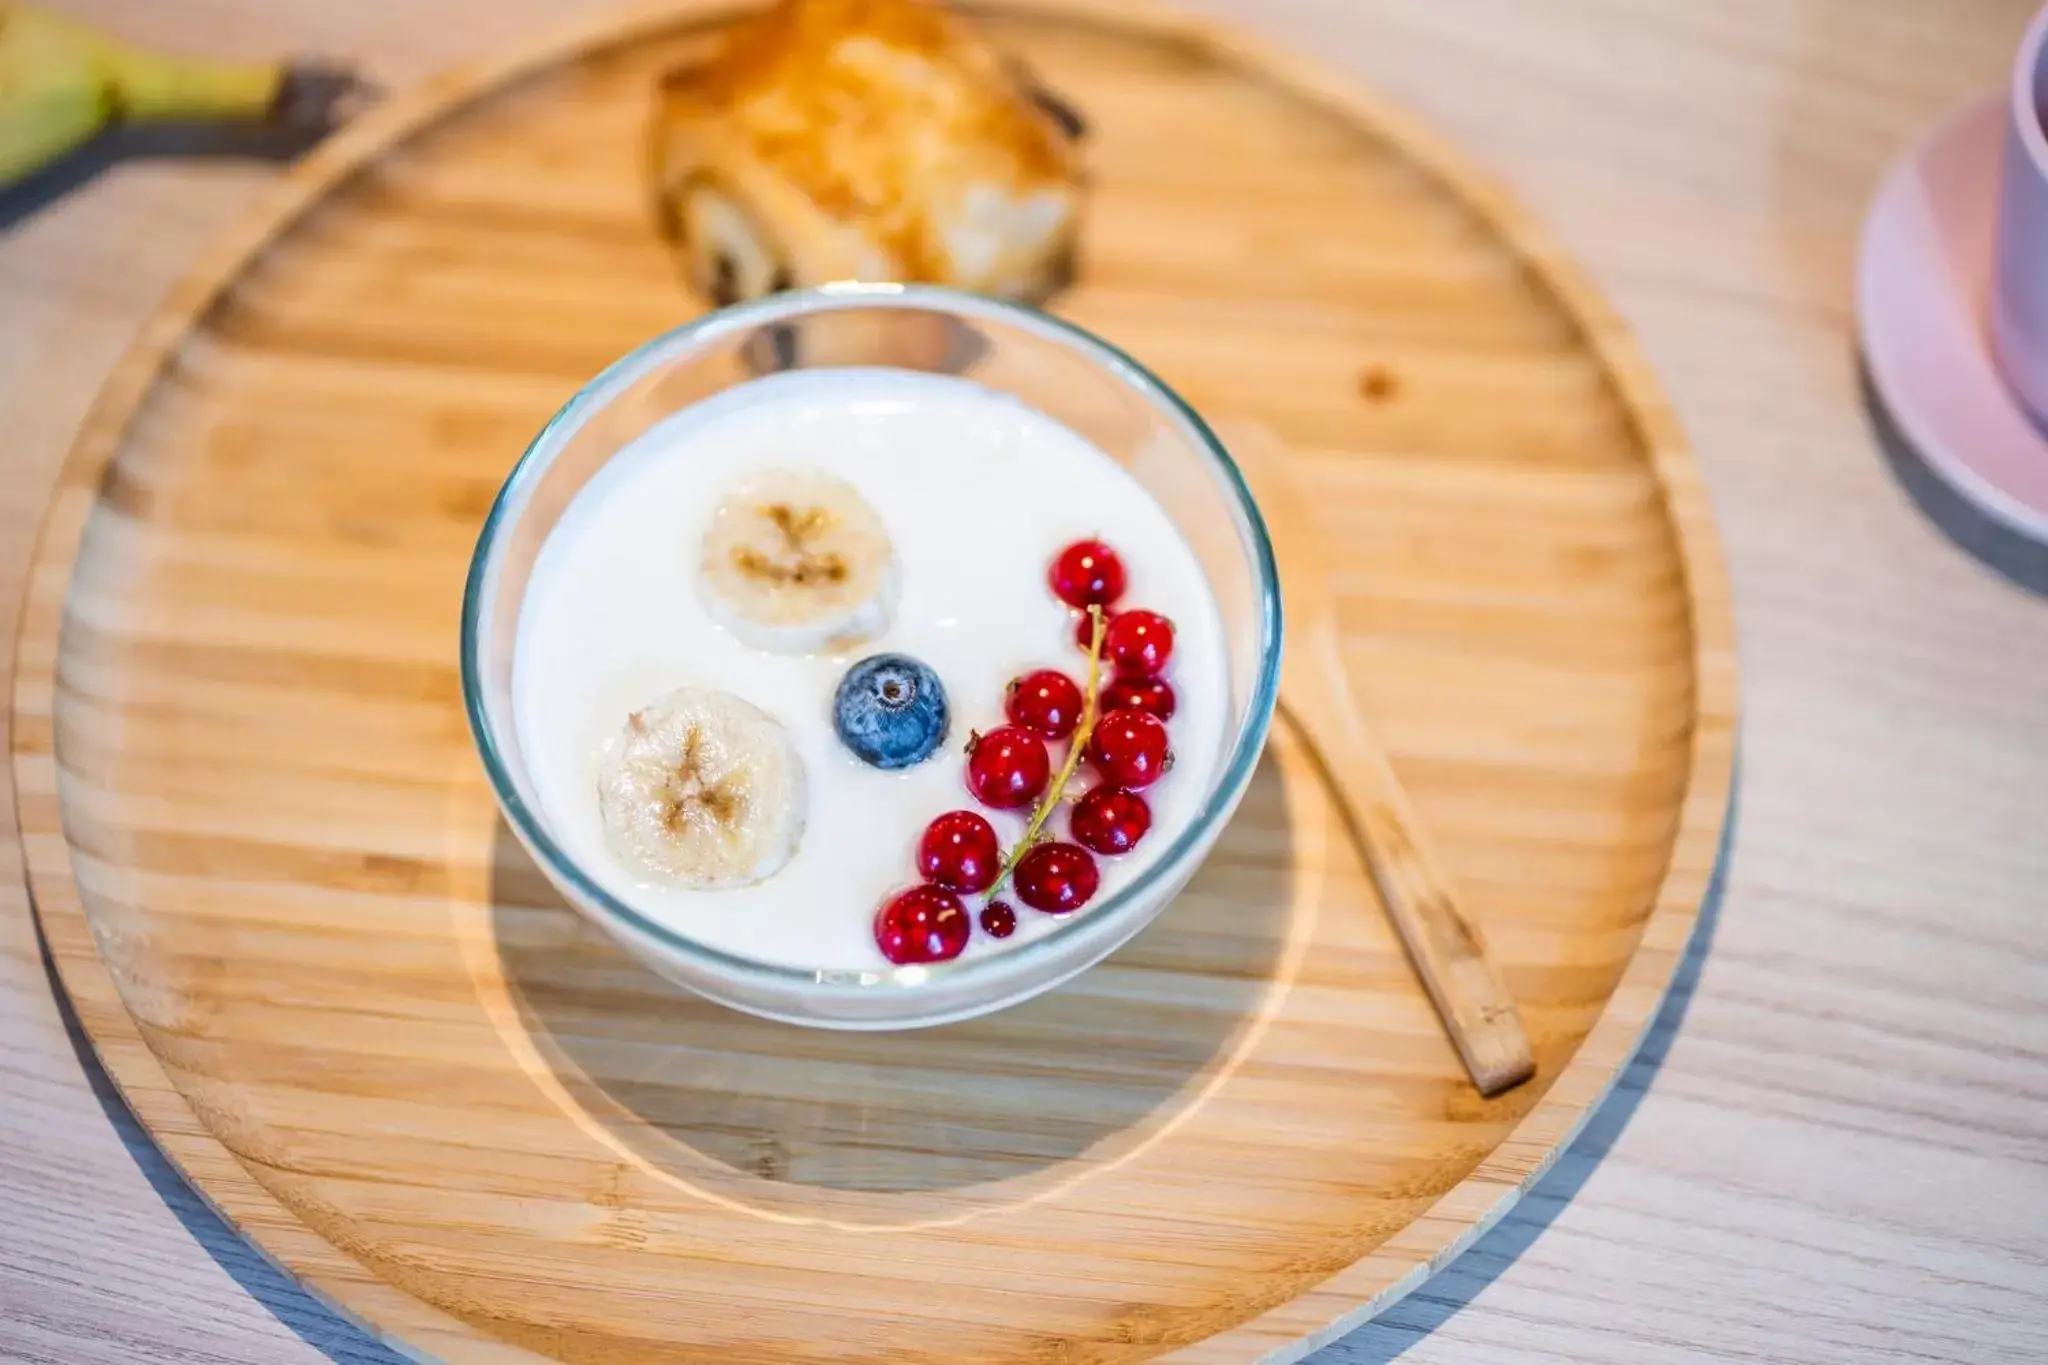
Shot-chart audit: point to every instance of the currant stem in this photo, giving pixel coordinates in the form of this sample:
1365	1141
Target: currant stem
1082	733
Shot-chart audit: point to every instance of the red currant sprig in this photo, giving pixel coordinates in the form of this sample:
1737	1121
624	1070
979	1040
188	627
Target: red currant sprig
1083	730
1009	767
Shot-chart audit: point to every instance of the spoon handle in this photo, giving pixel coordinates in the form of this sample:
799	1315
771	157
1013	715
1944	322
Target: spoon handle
1441	938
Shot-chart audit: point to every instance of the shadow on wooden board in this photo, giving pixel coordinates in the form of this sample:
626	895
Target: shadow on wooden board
1378	1342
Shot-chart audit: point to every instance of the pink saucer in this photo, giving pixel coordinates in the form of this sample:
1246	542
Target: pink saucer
1921	285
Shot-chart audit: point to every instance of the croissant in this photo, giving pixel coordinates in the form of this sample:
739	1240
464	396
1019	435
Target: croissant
865	140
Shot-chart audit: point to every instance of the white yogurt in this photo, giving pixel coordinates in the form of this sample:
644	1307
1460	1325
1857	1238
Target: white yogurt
978	492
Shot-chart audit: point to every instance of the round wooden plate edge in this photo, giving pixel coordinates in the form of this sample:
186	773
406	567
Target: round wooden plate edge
1285	1332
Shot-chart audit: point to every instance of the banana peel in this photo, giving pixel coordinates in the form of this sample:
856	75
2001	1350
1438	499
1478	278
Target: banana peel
62	83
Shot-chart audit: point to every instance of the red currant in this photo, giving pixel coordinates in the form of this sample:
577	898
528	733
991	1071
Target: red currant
959	852
1087	573
923	924
1139	643
1146	694
1084	629
1007	767
1129	748
1057	878
1110	821
998	920
1045	702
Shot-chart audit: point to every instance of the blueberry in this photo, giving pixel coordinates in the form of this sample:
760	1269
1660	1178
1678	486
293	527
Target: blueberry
890	710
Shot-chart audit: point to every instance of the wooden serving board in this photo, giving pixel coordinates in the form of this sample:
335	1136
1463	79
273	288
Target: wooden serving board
350	1009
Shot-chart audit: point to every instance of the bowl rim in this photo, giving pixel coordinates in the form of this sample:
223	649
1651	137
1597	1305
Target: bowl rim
910	980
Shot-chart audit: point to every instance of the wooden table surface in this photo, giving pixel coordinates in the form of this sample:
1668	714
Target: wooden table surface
1835	1147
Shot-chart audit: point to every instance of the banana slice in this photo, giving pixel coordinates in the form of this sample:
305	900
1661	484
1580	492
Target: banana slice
704	790
796	562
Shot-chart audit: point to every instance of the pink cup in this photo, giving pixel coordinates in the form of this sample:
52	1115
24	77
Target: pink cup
2019	272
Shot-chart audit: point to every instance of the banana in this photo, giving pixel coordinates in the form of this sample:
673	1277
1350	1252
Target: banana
61	83
703	789
796	562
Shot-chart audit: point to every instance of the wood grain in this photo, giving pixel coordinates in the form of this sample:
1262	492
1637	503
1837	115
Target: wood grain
1763	1202
277	885
1443	940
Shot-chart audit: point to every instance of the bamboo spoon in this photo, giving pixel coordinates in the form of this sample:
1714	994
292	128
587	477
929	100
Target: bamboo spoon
1441	938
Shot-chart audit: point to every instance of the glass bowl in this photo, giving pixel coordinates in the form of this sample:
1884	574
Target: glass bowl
1064	372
